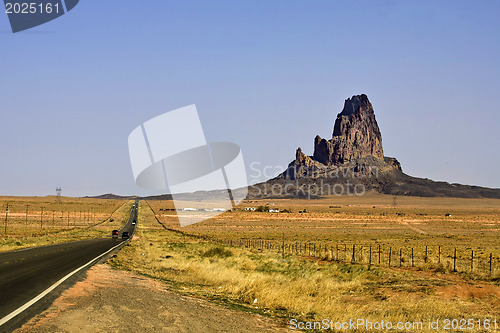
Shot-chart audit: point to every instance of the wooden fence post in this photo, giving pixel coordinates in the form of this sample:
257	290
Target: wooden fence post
379	254
370	260
283	247
491	259
455	260
353	260
439	254
400	257
412	261
471	260
390	253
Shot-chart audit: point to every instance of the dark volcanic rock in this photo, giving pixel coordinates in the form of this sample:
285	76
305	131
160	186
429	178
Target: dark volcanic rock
323	150
393	162
355	134
353	159
301	166
300	157
356	140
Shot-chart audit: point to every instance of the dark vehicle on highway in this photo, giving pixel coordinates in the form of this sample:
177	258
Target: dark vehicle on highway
114	234
125	235
134	222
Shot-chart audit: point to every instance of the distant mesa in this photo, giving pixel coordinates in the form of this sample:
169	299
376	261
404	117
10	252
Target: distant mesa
111	196
354	155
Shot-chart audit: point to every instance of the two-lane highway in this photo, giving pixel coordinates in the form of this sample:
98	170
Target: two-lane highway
28	276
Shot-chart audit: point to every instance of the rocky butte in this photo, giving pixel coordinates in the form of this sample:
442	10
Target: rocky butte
355	135
354	159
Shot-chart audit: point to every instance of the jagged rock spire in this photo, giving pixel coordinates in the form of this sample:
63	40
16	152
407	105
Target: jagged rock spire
355	134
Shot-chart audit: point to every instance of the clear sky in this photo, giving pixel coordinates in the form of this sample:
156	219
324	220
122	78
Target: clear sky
268	75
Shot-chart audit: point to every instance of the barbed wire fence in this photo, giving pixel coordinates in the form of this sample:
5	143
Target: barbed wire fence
435	257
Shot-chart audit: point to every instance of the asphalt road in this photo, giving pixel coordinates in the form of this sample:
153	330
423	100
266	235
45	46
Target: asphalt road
24	274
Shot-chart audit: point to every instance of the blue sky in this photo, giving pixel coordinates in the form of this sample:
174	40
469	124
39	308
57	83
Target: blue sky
268	75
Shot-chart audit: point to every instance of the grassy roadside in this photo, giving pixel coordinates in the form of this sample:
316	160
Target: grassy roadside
56	236
299	287
430	228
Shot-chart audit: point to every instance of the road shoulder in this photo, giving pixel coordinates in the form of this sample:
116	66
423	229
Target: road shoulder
110	300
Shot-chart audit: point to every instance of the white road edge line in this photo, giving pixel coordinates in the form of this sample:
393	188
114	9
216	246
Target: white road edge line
48	290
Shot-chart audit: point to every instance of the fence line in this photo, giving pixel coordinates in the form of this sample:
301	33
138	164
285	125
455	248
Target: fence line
436	258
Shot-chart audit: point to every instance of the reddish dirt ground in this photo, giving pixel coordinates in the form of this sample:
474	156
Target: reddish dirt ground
116	301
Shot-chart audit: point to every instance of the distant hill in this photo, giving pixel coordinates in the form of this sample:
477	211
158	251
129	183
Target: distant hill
111	196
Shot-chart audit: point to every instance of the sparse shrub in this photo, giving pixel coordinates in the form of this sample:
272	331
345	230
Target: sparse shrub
217	252
439	268
262	208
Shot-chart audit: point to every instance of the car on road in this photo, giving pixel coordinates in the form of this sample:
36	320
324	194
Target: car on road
125	235
114	234
134	222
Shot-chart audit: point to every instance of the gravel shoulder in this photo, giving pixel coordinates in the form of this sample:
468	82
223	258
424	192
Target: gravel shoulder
109	300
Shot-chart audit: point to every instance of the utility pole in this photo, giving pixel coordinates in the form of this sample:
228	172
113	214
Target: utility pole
27	209
6	217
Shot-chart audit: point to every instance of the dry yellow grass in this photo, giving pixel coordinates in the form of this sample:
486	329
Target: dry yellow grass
301	288
400	223
35	221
